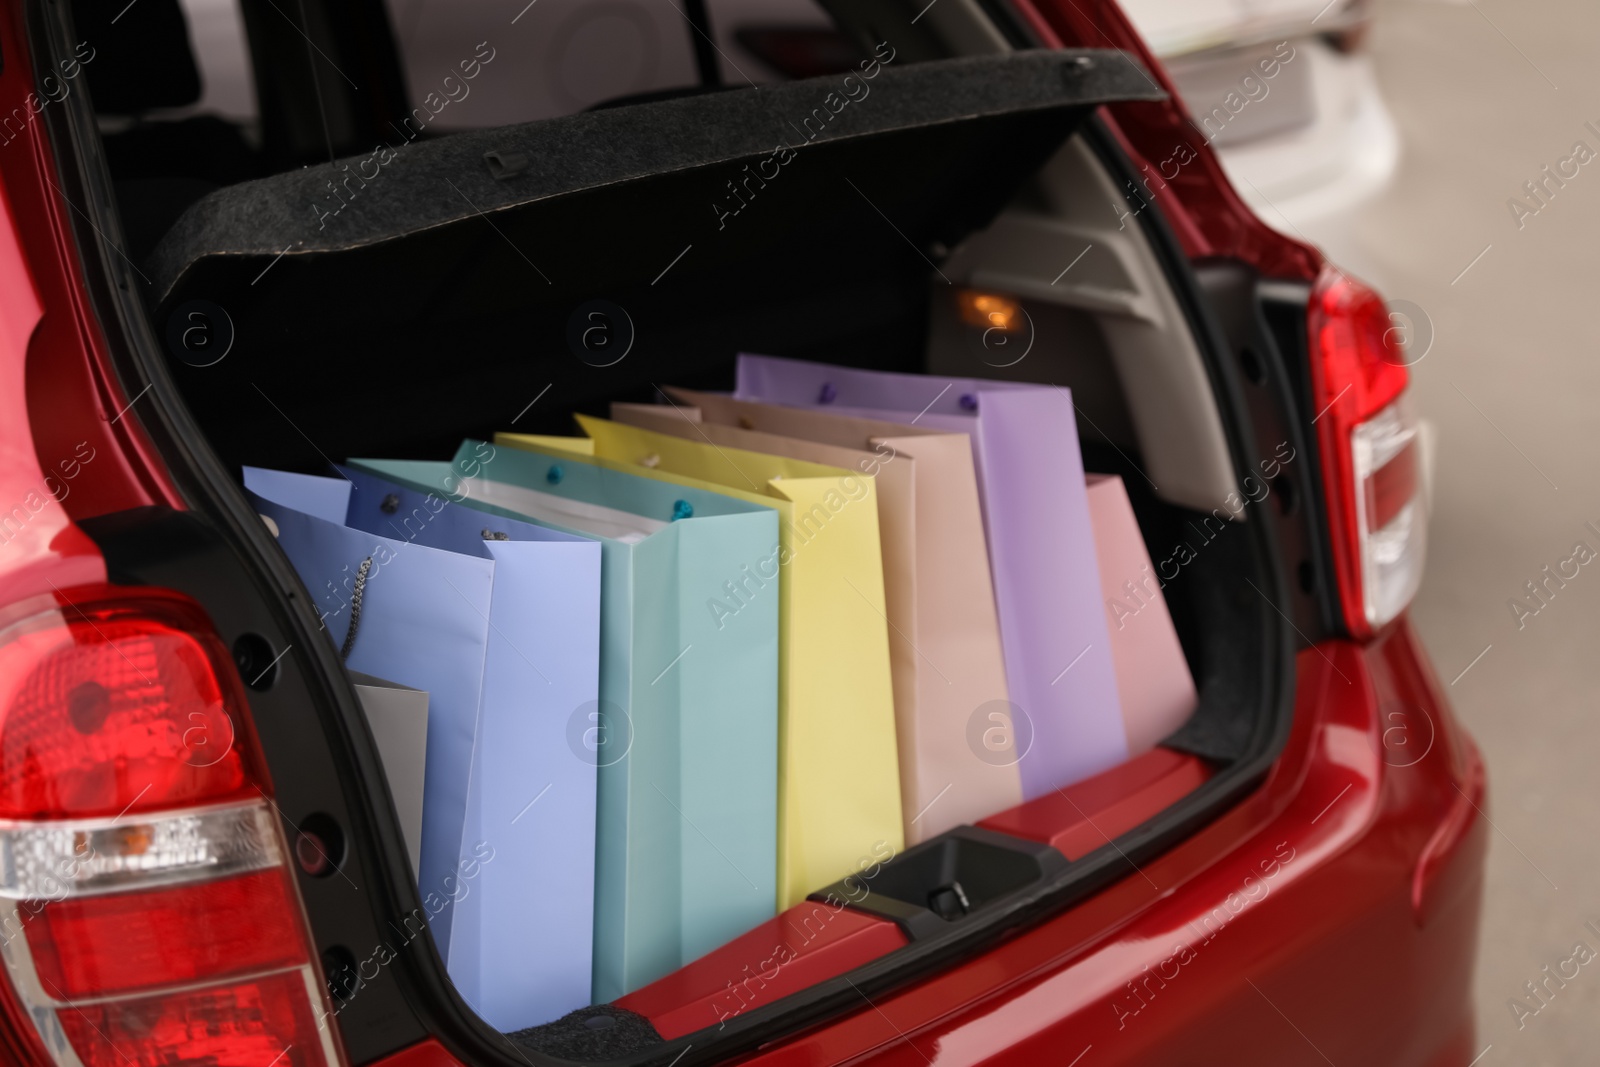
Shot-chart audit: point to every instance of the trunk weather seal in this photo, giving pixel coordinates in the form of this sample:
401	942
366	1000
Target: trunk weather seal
1216	353
207	487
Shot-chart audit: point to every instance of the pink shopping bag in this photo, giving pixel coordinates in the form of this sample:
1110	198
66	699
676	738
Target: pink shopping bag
1153	679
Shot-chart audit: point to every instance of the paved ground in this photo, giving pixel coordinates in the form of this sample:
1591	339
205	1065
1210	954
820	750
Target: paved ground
1513	385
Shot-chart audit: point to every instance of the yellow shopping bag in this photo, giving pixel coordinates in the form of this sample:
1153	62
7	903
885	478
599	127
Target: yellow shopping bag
838	777
944	637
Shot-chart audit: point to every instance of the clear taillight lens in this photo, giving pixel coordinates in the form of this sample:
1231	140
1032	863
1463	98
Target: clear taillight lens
148	916
1371	452
1392	523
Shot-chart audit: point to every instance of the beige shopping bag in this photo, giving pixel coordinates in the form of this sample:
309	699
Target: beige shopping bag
958	759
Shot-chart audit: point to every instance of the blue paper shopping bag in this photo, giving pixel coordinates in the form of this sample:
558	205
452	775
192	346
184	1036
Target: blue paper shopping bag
687	731
499	621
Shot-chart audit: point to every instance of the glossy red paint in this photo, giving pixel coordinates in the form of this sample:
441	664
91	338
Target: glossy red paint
40	549
1083	817
806	944
427	1053
1179	170
1284	932
1456	846
60	401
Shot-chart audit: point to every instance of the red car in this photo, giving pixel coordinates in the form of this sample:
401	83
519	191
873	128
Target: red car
200	861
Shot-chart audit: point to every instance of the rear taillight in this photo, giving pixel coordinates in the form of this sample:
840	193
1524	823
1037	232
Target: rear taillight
1370	451
147	914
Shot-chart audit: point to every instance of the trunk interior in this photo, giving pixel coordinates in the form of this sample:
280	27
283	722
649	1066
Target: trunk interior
397	308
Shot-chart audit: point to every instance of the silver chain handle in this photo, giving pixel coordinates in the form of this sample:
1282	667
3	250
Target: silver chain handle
356	592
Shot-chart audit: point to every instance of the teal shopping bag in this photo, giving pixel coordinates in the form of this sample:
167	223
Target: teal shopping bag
685	734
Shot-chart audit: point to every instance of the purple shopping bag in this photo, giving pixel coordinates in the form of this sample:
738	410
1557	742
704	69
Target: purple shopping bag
1065	710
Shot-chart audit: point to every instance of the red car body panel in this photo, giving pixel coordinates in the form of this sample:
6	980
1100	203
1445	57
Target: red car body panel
784	955
1330	915
39	546
65	402
1082	817
1222	950
1199	203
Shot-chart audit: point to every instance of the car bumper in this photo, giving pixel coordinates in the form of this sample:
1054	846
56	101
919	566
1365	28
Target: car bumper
1332	915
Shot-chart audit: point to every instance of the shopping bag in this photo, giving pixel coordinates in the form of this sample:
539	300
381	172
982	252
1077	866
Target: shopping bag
944	639
499	622
1153	678
398	717
1065	713
839	790
684	734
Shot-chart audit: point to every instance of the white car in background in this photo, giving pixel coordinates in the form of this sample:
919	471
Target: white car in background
1303	145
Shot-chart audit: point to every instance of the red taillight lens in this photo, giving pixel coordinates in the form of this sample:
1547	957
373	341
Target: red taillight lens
1369	441
266	1022
166	936
146	908
1357	346
107	709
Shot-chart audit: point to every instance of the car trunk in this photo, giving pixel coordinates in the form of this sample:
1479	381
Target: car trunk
398	303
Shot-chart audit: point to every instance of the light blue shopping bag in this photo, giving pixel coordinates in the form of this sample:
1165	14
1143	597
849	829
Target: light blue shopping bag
686	732
499	621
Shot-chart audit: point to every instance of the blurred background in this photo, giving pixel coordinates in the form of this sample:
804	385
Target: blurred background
1485	95
1478	97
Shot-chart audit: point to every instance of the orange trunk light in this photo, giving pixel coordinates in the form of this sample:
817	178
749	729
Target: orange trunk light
990	311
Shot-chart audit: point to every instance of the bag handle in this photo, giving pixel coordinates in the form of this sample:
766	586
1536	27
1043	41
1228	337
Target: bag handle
356	592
